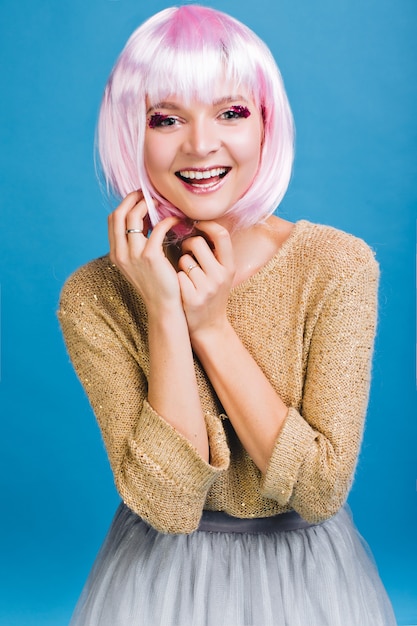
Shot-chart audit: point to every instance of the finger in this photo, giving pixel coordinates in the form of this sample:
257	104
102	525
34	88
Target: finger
160	231
117	221
189	266
187	288
127	204
110	231
220	238
200	249
135	216
134	229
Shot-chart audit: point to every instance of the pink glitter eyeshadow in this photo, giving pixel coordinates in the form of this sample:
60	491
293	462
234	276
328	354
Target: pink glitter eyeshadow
240	110
156	119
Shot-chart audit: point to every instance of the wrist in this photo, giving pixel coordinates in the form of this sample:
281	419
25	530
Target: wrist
166	314
211	337
167	323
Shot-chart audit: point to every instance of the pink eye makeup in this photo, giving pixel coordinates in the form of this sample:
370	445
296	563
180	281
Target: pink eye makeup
236	112
241	111
159	119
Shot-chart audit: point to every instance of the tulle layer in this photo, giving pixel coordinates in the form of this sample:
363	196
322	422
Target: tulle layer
317	576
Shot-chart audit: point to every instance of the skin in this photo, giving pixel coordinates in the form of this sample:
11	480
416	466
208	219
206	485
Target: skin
200	136
187	309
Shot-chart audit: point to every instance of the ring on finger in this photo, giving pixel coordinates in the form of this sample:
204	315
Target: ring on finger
133	230
190	268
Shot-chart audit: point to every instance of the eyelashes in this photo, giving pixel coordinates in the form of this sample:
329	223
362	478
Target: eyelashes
159	120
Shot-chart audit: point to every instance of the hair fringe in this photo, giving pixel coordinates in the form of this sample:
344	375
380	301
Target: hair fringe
165	56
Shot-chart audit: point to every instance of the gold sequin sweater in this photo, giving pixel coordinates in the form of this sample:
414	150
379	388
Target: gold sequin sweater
307	318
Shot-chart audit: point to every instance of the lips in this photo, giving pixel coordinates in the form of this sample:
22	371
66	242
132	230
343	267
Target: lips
203	177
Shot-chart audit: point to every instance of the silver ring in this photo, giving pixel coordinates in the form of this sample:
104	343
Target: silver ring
190	267
133	230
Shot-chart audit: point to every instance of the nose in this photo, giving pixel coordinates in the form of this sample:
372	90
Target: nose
202	138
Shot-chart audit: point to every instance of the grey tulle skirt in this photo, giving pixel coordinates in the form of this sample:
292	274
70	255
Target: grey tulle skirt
321	575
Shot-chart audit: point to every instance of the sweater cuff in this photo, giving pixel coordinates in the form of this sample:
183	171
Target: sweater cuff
158	445
287	457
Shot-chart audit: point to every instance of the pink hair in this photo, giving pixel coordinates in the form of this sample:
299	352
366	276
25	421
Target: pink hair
183	51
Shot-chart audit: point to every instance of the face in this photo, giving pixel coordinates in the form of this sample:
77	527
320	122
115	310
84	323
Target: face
203	157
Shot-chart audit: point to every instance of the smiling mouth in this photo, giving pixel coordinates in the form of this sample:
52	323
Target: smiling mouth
203	178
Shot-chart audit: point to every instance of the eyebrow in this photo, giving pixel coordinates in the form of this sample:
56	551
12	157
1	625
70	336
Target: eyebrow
172	106
228	99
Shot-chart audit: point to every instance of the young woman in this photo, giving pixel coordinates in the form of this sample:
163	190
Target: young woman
226	352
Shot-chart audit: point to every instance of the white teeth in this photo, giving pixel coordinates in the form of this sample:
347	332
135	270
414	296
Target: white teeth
200	175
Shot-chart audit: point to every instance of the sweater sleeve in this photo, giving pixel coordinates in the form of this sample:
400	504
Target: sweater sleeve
157	471
314	458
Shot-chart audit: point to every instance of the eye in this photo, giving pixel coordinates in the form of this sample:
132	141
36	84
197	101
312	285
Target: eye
236	112
159	120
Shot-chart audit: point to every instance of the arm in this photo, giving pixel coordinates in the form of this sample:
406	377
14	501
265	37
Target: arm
172	386
314	458
249	400
251	403
153	425
157	471
307	456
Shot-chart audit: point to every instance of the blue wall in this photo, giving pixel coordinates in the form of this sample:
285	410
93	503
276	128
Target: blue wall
350	71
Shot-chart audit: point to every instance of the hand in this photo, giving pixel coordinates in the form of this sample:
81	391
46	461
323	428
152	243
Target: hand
141	259
206	277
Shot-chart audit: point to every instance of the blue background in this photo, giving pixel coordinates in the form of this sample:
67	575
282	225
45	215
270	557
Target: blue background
350	72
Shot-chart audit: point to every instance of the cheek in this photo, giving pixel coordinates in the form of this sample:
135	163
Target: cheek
149	152
153	156
248	147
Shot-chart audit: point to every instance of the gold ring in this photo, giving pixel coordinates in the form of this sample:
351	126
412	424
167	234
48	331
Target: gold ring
191	267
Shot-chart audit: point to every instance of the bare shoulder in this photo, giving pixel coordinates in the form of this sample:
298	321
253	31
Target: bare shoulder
255	247
279	230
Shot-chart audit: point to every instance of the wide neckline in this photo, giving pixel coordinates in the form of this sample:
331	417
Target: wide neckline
282	250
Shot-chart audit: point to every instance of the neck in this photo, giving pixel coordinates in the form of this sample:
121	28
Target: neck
252	247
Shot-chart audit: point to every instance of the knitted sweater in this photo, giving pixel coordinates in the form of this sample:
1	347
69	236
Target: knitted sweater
308	319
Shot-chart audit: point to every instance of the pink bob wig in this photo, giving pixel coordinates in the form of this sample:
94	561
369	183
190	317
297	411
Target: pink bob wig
184	51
